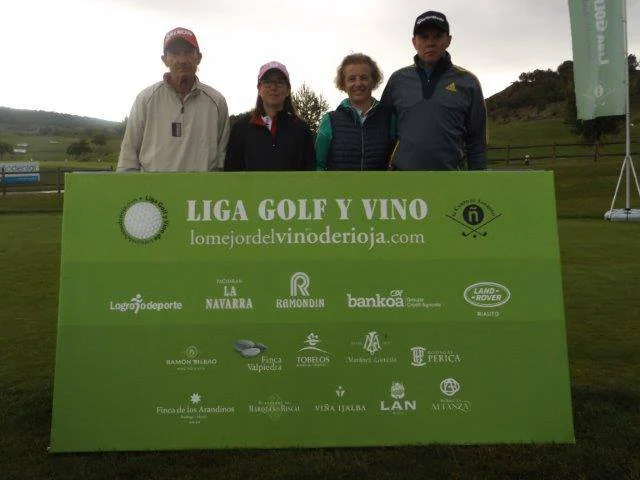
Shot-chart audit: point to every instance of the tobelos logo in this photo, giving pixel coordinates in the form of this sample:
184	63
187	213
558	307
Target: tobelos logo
474	215
143	220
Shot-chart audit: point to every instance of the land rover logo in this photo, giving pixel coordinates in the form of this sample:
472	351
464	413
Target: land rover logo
487	294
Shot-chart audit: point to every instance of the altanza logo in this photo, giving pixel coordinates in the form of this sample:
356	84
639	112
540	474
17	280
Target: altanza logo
487	294
393	300
137	304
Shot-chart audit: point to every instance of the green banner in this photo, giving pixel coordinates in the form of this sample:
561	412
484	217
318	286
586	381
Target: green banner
261	310
599	57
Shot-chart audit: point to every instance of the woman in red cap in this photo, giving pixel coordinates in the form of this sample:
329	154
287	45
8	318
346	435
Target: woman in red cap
272	136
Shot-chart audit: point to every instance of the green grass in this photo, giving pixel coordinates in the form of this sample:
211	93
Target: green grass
600	261
41	148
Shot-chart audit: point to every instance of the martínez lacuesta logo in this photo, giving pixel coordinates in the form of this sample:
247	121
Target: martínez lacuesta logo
143	220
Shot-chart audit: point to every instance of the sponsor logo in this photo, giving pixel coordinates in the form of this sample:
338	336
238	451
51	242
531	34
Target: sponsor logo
369	349
487	294
474	215
421	357
143	220
451	87
194	410
191	361
274	407
311	355
450	387
394	299
299	285
229	299
138	304
340	407
399	404
264	363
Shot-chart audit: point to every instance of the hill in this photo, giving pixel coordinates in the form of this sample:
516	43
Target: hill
50	123
546	94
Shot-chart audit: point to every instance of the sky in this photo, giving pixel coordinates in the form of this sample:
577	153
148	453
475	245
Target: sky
92	57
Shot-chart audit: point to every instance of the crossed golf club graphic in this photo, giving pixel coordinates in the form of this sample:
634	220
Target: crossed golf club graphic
475	231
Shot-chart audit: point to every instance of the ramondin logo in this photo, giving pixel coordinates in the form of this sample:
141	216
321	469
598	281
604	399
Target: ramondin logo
299	296
487	294
143	220
300	284
474	215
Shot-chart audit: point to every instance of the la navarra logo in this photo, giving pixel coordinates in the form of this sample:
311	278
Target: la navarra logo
474	215
143	220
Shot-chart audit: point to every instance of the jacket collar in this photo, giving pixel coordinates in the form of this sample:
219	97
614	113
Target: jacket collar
441	65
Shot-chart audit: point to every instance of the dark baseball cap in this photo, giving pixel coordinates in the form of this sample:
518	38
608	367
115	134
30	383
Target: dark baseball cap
436	19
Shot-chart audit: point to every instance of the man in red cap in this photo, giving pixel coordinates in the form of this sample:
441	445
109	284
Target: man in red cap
179	123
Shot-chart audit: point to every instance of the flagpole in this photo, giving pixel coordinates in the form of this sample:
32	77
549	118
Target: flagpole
626	214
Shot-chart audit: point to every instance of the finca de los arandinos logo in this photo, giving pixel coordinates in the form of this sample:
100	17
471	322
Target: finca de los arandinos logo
474	215
143	220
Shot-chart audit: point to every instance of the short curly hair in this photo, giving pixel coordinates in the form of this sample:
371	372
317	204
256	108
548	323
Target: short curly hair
357	58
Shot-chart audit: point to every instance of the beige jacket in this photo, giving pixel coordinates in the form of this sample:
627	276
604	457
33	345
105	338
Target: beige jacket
165	134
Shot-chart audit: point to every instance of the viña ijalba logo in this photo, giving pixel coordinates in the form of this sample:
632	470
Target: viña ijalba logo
139	304
143	220
474	215
299	288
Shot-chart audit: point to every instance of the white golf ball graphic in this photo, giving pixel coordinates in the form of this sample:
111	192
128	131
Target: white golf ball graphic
143	220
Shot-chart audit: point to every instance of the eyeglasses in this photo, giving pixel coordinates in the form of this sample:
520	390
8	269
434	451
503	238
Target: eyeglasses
277	82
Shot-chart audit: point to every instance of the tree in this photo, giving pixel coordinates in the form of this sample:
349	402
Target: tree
99	139
591	131
78	148
5	148
310	106
632	60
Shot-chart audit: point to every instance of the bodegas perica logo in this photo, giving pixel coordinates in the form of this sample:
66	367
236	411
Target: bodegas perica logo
143	220
474	215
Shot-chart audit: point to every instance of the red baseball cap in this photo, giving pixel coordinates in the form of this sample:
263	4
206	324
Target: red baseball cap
183	33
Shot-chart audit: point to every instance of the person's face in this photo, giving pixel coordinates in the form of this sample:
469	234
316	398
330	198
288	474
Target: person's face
182	59
430	44
273	89
358	82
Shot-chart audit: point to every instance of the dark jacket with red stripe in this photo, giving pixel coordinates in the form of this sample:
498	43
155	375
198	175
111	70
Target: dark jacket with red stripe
252	146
